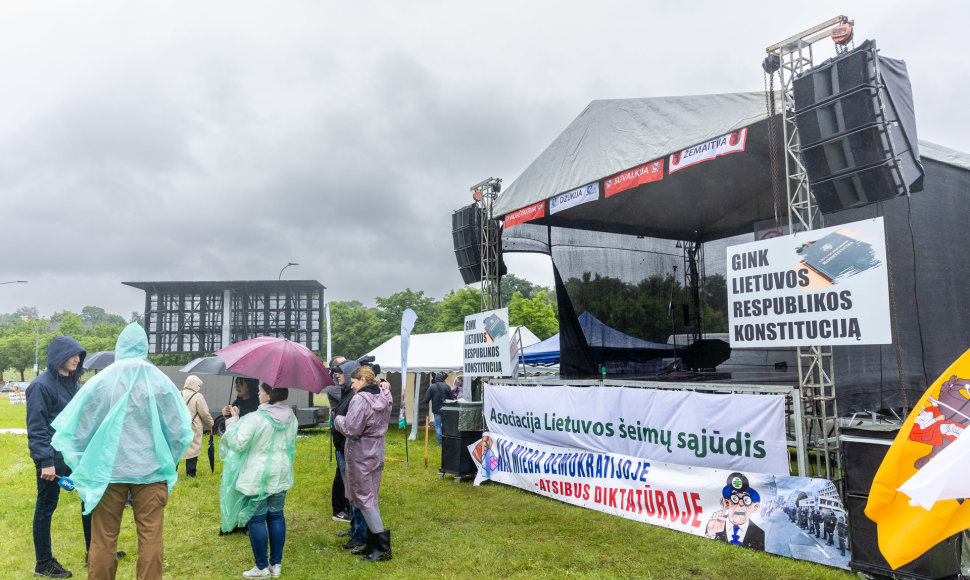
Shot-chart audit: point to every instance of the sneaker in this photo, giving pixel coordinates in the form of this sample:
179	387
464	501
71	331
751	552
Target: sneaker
341	517
256	572
275	570
344	533
51	569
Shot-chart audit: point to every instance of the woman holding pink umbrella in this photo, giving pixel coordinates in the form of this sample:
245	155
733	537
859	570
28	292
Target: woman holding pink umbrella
364	425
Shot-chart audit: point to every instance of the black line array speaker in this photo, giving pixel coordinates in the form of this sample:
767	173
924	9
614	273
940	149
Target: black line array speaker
857	129
466	233
863	449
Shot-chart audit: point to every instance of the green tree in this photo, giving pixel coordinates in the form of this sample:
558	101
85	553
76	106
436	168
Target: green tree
453	309
390	309
536	314
355	329
19	351
95	315
69	324
511	284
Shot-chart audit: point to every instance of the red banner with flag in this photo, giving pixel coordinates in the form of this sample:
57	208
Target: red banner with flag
907	530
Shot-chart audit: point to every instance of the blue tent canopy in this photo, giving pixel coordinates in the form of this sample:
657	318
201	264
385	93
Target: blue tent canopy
599	336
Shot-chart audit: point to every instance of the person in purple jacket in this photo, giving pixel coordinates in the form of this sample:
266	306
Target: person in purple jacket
364	426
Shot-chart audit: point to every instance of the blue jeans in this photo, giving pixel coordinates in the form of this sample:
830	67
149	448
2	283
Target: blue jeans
437	426
48	494
358	527
268	526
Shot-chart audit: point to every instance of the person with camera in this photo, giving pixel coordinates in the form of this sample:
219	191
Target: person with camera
257	453
338	500
364	426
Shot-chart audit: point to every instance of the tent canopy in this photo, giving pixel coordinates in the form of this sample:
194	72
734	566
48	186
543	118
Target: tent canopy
613	136
598	336
438	351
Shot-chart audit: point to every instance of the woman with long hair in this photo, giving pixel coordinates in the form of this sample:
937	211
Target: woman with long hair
364	426
257	453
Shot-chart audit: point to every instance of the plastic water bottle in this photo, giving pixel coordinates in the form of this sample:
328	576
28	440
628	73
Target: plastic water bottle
65	482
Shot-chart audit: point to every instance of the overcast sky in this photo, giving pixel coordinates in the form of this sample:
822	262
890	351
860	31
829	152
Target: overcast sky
144	141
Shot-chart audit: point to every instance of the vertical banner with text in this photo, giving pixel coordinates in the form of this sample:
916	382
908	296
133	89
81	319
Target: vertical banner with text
486	345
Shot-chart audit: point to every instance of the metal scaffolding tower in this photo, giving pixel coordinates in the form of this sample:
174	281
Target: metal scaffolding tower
485	193
790	58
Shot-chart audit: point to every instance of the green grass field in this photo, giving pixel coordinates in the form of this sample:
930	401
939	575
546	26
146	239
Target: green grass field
439	528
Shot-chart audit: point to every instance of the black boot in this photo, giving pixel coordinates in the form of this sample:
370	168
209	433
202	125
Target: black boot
382	547
367	548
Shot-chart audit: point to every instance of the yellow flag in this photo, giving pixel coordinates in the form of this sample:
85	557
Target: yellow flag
907	531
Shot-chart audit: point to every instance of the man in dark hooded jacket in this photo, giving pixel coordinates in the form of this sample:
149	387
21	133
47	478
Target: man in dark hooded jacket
438	393
47	396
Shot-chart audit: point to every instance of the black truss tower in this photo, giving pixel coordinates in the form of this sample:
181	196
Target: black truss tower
202	317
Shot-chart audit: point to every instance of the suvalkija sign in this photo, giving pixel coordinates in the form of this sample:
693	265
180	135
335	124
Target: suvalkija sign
815	288
486	345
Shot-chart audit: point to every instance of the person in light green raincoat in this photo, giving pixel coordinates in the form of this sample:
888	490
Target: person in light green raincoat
125	431
257	454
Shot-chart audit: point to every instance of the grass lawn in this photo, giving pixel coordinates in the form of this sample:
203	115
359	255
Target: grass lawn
439	528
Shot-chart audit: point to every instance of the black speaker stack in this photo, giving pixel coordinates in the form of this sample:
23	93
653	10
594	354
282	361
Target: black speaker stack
461	426
857	129
466	233
863	449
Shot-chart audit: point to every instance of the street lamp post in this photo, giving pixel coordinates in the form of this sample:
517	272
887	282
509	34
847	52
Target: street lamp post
280	277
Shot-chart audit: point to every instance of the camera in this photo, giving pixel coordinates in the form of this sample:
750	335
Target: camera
368	361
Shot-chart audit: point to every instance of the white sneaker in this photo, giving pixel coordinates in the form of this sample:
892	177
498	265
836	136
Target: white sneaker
275	570
256	572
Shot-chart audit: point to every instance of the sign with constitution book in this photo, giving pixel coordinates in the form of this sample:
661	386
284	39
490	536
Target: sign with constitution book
815	288
485	352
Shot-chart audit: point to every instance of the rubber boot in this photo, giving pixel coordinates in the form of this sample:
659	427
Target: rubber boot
367	548
382	547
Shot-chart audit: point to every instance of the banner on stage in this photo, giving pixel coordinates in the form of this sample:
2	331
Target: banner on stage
486	348
797	517
814	288
520	216
736	431
731	143
575	197
646	173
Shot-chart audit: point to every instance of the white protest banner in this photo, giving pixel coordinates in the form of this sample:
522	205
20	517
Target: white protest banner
486	349
815	288
729	431
754	510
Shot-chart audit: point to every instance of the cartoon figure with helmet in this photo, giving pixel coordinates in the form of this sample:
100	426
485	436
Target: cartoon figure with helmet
732	523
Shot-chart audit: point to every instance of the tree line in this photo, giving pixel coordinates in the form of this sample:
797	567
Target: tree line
650	309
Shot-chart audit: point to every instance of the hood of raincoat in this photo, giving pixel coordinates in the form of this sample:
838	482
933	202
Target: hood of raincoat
280	412
346	368
61	349
193	383
129	424
132	343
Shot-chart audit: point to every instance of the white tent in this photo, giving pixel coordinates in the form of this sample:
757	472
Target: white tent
429	353
438	351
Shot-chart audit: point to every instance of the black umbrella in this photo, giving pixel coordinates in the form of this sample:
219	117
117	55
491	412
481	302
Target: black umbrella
99	360
212	453
208	365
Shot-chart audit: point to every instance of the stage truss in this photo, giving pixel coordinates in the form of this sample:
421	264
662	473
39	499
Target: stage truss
794	56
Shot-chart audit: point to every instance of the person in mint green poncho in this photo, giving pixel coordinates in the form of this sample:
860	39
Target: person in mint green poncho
124	431
257	470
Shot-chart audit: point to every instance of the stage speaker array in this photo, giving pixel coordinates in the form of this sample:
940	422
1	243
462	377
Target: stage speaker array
857	129
863	448
466	233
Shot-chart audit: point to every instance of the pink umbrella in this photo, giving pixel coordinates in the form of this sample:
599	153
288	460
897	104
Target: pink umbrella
278	362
